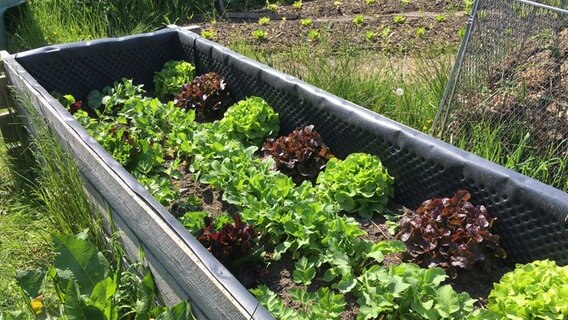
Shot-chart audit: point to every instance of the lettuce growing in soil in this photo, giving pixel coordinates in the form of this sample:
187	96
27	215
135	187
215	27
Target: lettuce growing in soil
451	233
250	121
537	290
301	155
169	80
207	94
232	245
359	184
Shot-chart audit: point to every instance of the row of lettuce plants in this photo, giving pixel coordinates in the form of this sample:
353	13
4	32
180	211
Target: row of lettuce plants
296	211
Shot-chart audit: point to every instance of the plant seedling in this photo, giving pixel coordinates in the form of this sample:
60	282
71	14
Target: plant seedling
272	7
297	5
370	36
209	34
263	21
314	35
359	20
306	22
420	32
259	34
304	271
371	1
441	18
399	19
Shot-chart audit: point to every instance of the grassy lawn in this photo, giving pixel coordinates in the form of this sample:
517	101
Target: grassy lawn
24	228
40	194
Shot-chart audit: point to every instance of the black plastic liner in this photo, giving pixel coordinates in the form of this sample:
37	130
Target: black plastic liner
531	215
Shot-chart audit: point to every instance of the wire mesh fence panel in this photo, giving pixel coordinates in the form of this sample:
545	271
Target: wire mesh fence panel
507	98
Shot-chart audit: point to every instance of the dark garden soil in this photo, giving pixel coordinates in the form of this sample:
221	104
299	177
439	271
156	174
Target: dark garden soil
198	196
427	25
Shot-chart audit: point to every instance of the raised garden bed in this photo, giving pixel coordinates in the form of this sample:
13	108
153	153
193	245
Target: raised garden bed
530	215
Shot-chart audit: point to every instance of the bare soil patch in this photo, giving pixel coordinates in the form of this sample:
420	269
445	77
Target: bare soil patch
422	25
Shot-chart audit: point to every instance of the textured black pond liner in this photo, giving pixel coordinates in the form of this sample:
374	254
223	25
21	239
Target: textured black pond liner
531	215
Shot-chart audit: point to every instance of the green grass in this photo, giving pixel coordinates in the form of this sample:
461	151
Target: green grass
58	184
365	78
43	22
40	194
511	148
24	230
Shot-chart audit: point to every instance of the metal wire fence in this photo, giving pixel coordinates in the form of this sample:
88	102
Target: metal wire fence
507	97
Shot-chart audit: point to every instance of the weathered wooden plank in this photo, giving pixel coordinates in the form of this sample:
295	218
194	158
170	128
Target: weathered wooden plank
6	119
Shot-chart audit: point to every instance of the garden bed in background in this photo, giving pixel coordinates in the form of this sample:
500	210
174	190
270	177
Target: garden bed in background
392	26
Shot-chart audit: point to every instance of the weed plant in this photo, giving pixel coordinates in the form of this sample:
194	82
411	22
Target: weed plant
46	22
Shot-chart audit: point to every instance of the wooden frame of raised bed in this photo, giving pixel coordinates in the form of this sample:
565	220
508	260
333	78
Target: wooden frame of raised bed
531	215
